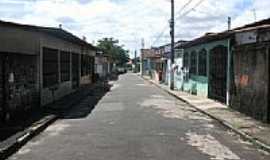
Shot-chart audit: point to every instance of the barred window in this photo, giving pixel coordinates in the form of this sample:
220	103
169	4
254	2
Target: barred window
50	67
193	62
186	60
203	63
87	63
65	66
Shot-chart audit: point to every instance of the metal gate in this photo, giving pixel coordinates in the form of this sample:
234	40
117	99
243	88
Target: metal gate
75	70
92	68
3	87
218	73
268	116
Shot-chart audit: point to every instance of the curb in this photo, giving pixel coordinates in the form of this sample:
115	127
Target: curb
18	141
243	135
28	134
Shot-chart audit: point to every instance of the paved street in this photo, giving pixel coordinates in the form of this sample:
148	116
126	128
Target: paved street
137	121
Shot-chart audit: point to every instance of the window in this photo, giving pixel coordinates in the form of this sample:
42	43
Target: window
203	63
65	66
193	62
186	60
83	67
50	67
179	53
87	63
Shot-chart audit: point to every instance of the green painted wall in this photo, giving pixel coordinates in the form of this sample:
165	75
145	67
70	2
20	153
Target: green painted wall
196	84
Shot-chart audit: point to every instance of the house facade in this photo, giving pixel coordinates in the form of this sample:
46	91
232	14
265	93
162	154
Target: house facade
104	65
231	67
206	63
152	64
250	87
39	65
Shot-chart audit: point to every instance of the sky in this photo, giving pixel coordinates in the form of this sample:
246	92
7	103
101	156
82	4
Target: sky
130	21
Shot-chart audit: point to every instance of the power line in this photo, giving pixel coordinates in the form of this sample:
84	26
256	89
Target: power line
181	16
165	28
190	10
184	6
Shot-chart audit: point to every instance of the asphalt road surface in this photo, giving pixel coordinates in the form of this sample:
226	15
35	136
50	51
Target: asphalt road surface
137	121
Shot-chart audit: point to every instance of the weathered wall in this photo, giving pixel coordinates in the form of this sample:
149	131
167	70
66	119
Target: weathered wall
63	88
17	40
178	73
22	82
17	43
48	95
101	66
249	89
194	83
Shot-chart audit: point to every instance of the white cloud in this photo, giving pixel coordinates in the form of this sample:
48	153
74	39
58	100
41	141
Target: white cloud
131	20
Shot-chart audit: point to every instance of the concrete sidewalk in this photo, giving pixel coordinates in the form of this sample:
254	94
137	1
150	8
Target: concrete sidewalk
247	127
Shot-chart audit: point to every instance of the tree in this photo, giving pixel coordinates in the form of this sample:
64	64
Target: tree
111	47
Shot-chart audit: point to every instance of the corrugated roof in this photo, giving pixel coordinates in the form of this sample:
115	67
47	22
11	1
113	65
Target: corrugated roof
53	31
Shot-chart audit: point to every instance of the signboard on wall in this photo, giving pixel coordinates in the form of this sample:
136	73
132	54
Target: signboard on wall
246	37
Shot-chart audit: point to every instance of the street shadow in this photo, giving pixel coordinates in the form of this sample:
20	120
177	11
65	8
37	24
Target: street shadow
73	106
87	105
20	121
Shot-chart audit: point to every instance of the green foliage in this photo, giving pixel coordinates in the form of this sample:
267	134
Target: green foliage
111	47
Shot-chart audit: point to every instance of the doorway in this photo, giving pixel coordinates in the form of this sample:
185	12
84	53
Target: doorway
268	114
4	115
218	73
75	71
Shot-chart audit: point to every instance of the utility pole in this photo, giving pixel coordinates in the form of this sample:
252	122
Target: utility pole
141	57
135	61
254	14
172	45
143	43
229	23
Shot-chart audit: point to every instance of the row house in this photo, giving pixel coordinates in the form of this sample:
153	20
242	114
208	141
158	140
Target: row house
231	67
250	87
205	66
104	64
39	65
151	64
165	52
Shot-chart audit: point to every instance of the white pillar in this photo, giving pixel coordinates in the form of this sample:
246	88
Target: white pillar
228	74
